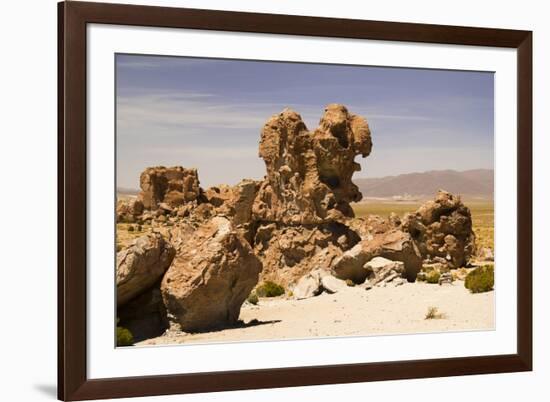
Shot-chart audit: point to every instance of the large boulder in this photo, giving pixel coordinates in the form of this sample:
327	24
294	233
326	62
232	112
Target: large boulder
174	186
141	265
210	278
234	201
442	228
381	269
394	245
309	173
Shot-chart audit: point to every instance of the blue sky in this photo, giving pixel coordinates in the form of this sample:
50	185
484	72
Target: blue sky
208	113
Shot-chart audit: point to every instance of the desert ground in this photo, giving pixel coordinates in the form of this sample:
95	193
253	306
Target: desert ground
355	312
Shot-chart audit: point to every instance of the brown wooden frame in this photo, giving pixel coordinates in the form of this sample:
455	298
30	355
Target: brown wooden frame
73	383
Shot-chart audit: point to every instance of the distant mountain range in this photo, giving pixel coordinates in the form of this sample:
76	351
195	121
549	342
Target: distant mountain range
476	183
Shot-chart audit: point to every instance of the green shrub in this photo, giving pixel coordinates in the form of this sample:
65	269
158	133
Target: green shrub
124	337
481	279
270	289
433	277
253	298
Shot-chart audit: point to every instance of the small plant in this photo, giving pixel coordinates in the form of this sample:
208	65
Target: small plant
270	289
434	314
253	298
350	283
124	337
481	279
433	277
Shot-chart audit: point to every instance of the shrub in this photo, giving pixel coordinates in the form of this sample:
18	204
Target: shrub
433	277
481	279
433	314
270	289
253	298
350	283
124	337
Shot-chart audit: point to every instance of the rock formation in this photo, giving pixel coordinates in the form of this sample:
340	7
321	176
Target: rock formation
141	265
295	227
128	210
174	186
443	228
309	173
210	278
394	245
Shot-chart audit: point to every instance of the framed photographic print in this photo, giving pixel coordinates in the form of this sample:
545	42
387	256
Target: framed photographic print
253	200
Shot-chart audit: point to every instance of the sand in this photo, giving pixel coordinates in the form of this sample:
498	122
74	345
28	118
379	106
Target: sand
354	312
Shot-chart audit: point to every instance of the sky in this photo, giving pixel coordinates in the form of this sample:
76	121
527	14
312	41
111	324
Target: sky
208	114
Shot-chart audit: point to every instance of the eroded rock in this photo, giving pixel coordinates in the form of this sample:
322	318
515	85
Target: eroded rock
210	278
141	265
442	228
394	245
309	173
173	186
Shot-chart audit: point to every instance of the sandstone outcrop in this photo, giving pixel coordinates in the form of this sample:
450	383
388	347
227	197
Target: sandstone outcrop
210	278
394	245
141	265
289	252
309	173
442	228
173	186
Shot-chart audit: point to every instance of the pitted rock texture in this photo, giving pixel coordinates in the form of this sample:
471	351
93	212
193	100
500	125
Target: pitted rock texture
173	186
442	229
290	252
141	265
394	245
210	278
309	173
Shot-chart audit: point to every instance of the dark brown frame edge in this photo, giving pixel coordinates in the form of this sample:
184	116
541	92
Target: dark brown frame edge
73	383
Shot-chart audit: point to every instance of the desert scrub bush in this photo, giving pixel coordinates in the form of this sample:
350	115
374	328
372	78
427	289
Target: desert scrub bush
253	298
433	277
433	314
481	279
124	337
350	283
270	289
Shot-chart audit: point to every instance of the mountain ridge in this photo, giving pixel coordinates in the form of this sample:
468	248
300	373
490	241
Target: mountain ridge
473	182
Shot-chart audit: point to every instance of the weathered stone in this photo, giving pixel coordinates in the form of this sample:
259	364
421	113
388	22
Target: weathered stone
308	285
141	265
173	186
210	278
381	269
309	173
394	245
442	228
235	202
289	252
332	284
128	210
